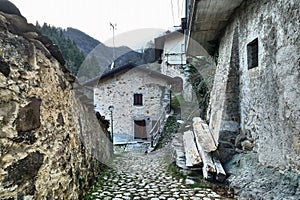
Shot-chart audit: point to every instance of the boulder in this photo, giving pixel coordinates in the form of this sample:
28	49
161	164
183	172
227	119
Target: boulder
9	8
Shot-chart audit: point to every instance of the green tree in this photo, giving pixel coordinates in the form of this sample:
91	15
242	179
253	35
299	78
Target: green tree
71	53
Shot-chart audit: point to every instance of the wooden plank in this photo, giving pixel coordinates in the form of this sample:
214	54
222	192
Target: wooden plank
207	130
205	145
208	165
203	137
221	174
191	152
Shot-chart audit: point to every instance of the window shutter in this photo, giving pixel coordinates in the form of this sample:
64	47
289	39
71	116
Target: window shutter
138	99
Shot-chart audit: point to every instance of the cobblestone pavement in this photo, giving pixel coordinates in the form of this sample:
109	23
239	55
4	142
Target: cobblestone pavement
145	176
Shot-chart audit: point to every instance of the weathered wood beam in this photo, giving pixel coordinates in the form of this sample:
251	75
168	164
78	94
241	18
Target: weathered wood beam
205	145
191	152
221	174
203	135
208	164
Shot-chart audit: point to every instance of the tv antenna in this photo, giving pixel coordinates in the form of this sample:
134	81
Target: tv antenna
113	28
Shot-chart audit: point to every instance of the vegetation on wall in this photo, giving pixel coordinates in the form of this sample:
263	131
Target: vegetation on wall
71	53
200	89
176	101
170	128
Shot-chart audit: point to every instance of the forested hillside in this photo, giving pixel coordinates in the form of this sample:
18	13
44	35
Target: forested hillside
84	42
71	53
86	57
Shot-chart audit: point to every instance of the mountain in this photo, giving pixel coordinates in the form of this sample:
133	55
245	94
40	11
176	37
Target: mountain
72	55
100	60
84	42
97	57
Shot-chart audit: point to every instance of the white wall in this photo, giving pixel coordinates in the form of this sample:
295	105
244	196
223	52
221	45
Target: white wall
174	44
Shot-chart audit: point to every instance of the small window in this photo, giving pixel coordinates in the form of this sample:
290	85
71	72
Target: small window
252	54
138	99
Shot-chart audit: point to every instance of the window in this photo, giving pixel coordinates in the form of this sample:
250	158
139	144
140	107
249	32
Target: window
138	99
252	54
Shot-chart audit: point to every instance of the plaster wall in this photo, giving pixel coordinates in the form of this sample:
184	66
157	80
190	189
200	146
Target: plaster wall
173	65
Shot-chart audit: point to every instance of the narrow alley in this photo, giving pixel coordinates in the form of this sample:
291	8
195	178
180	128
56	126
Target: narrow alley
148	176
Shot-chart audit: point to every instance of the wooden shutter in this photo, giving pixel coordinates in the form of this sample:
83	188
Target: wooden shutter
138	99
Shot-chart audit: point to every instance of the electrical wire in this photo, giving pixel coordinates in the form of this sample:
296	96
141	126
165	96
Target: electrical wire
172	8
182	5
178	9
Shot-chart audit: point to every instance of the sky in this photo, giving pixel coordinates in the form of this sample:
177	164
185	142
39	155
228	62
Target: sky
94	16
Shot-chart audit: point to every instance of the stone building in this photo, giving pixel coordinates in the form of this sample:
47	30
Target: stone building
254	103
171	52
140	97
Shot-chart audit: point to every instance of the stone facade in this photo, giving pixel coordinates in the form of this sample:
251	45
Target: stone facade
118	90
262	101
257	109
174	62
47	133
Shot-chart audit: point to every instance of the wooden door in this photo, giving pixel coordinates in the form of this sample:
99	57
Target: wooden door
140	129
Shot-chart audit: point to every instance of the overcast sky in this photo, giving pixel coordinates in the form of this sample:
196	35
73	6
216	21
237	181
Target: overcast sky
94	16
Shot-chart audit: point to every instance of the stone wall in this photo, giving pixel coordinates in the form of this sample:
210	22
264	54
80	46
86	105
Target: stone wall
47	133
119	91
258	109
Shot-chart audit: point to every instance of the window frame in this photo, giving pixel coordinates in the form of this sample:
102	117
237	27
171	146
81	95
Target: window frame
138	99
252	54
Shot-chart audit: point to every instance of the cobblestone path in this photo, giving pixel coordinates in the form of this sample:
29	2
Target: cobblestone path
145	176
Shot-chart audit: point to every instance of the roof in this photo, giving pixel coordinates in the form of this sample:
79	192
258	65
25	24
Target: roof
170	34
124	69
208	18
160	41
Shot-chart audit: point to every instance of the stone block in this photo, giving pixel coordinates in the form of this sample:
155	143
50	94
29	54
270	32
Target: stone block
24	170
29	116
4	68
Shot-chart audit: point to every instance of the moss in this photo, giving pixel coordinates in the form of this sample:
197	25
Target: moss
196	176
170	128
176	101
174	171
99	183
200	89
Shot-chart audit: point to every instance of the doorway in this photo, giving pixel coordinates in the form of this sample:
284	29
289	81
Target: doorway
140	131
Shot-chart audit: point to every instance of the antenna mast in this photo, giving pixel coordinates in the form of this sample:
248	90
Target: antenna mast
113	27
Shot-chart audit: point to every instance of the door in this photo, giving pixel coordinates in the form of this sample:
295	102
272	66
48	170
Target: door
140	129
